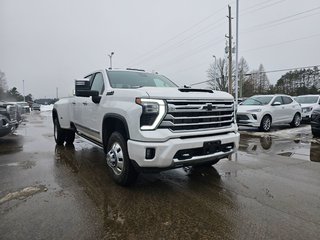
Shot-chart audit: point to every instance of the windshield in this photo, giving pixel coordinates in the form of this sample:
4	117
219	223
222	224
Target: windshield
127	79
307	99
257	100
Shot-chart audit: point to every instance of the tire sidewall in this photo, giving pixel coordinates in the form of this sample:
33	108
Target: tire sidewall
262	123
59	135
124	178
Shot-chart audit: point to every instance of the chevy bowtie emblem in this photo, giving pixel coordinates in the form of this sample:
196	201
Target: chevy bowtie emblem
209	107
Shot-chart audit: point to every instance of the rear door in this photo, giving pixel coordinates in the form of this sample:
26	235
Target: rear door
278	114
290	108
78	106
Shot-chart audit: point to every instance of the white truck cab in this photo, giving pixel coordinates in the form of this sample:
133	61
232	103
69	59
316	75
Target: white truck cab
144	121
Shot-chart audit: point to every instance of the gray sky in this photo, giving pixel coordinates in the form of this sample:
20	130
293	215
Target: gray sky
49	43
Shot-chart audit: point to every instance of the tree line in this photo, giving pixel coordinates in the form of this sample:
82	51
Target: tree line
11	94
256	81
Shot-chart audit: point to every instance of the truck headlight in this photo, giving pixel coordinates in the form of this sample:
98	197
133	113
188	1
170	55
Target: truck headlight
153	111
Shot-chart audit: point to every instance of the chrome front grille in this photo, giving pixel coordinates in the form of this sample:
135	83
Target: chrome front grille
190	115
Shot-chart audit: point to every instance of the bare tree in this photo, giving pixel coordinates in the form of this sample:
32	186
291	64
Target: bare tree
243	70
3	85
218	77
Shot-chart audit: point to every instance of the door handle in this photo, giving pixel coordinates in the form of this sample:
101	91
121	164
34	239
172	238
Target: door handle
73	103
85	103
110	93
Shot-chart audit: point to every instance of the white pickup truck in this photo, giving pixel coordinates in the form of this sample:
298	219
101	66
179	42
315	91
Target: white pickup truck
144	122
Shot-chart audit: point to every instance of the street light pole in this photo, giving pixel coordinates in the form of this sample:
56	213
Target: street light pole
110	56
24	97
237	51
215	72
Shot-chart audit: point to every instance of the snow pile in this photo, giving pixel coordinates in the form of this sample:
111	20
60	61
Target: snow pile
45	108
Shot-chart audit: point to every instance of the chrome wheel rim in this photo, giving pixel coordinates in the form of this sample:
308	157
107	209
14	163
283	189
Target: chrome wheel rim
55	131
115	158
297	120
266	124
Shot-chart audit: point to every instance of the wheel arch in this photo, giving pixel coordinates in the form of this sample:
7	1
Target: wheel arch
114	122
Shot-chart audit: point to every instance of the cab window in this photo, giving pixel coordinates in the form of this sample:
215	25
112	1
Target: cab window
98	83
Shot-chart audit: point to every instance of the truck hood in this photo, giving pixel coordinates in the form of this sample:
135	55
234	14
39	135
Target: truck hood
185	93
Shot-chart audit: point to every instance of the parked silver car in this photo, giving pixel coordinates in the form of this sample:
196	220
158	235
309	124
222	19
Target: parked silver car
9	118
264	110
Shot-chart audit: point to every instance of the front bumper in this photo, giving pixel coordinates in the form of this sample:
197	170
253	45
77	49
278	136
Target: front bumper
249	119
167	154
6	127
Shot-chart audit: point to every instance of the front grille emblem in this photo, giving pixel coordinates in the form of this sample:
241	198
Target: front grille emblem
209	107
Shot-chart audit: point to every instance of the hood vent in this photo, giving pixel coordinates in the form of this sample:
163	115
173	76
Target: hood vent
195	90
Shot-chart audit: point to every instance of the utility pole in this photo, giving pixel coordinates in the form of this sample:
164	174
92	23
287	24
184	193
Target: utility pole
57	92
230	52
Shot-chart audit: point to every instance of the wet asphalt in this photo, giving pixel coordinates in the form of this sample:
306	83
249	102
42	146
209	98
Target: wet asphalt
269	190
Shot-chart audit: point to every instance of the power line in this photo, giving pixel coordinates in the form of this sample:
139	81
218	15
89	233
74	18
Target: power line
280	23
184	40
281	19
281	43
243	13
179	34
271	71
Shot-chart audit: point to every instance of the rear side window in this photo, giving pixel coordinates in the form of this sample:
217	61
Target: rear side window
278	99
287	100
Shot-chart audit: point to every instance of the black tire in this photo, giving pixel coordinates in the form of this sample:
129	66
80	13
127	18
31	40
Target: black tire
265	124
296	120
59	133
70	135
315	133
119	164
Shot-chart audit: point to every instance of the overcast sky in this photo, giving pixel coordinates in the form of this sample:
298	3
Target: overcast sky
49	43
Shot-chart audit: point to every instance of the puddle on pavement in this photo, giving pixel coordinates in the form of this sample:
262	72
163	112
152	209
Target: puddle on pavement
11	144
23	194
300	146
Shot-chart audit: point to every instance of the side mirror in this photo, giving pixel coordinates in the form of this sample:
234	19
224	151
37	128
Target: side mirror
276	104
81	85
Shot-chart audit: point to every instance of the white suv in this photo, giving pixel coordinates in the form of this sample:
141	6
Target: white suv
308	104
264	110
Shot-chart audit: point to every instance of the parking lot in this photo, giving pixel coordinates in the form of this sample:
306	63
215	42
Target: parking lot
270	189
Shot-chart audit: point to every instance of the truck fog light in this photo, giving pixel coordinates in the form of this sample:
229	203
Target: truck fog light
150	153
254	116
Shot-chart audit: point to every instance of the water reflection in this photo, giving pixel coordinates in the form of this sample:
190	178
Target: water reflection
299	147
174	203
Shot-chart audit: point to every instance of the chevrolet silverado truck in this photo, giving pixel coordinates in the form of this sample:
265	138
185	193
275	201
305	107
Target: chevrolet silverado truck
145	122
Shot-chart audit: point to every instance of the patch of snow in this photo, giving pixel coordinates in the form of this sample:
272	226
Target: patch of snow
45	108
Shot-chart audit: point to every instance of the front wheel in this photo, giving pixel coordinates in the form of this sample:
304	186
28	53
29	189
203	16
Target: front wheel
59	133
315	133
296	120
265	124
120	166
